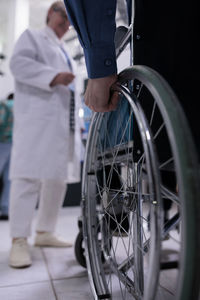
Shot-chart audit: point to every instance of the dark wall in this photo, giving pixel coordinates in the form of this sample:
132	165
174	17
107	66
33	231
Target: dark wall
73	195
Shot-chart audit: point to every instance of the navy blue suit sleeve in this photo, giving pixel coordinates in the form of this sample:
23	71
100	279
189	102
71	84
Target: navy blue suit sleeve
94	21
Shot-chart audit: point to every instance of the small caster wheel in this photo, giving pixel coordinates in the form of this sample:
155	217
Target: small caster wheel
80	250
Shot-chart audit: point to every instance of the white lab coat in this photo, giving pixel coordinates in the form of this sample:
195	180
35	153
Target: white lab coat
43	147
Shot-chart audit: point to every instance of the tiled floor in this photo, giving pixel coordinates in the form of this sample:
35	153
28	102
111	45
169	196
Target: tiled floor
55	273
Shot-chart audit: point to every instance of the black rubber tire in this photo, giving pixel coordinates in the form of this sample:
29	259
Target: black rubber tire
80	250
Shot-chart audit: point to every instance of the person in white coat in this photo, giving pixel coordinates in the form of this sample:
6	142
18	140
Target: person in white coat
44	158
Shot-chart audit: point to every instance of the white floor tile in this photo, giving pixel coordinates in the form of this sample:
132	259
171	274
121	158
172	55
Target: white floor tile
73	289
36	273
39	291
62	263
59	266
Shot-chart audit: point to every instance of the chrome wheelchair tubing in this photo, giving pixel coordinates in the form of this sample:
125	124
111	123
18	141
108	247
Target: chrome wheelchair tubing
124	42
152	167
184	163
100	286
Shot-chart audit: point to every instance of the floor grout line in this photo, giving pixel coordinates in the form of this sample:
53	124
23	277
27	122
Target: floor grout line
43	281
50	277
71	277
23	284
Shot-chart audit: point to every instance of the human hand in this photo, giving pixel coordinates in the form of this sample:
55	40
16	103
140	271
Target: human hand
64	78
98	96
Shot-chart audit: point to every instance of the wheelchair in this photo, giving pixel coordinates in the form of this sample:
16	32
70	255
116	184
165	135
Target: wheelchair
138	158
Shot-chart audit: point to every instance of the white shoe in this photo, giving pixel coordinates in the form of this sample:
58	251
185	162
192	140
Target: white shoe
47	239
19	254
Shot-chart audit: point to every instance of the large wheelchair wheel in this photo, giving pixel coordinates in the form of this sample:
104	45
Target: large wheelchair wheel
141	195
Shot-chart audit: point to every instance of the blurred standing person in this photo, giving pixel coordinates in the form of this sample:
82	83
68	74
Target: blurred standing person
44	158
6	126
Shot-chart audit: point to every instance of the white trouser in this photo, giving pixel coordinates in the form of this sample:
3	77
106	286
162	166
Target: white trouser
24	195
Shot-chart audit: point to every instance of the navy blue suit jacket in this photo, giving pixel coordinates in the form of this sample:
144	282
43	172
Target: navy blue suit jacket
94	21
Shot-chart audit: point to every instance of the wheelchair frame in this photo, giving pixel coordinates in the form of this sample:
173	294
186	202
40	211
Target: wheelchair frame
126	261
